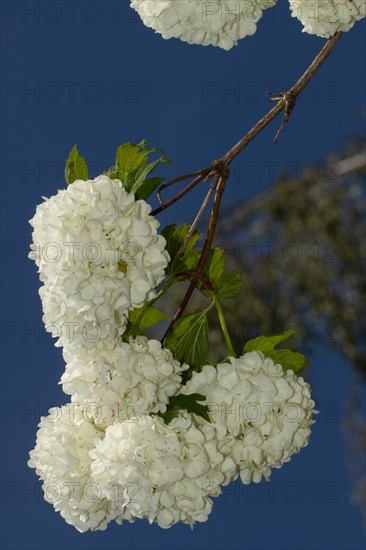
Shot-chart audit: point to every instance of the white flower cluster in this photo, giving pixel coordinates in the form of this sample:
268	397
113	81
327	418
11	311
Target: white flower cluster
164	473
326	17
223	22
61	459
263	413
110	455
99	256
131	379
126	468
217	23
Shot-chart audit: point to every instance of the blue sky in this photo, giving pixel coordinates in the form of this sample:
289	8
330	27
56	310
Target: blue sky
97	77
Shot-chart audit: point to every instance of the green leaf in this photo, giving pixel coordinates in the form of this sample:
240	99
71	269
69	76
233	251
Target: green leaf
131	331
188	403
268	343
148	187
215	266
146	316
142	318
175	238
189	339
230	285
132	169
76	167
129	157
287	358
135	182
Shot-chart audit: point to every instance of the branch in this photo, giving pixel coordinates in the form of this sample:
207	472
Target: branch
281	105
219	169
198	272
286	103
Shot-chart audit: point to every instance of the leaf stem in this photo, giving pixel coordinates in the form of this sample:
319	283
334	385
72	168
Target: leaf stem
224	329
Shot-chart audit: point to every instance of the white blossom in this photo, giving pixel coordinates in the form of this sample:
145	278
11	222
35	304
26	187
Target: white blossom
264	412
165	473
128	380
61	459
98	253
218	23
326	17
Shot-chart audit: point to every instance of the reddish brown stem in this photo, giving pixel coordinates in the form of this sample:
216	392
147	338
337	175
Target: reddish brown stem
179	195
198	272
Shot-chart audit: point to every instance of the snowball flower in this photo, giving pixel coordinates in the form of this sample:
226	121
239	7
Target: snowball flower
217	23
61	459
326	17
164	473
69	326
265	412
98	253
131	379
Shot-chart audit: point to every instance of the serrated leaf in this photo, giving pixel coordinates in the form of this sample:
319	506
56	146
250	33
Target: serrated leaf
189	339
148	187
191	260
188	403
146	316
76	167
268	343
230	285
175	238
287	358
215	266
132	168
135	182
130	157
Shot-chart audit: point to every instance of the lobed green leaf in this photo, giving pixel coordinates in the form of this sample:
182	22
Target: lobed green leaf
188	340
288	359
76	167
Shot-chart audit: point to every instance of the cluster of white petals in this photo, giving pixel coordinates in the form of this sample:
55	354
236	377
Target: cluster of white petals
164	473
132	378
110	454
264	411
99	256
326	17
217	23
61	459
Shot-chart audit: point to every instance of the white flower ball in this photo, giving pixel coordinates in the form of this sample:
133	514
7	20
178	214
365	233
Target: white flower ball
264	411
61	459
98	251
326	17
217	23
70	327
129	380
164	473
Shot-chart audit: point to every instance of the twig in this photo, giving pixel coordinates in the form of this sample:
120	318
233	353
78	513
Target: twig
286	103
295	92
176	180
198	217
179	195
222	179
